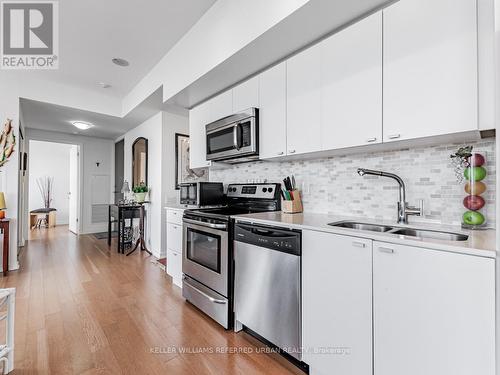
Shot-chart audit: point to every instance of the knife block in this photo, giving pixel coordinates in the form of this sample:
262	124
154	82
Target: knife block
294	206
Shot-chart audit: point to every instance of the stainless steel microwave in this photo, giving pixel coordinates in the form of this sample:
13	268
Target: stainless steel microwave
235	138
202	193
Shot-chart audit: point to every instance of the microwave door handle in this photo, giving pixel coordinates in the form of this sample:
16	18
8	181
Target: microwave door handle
236	142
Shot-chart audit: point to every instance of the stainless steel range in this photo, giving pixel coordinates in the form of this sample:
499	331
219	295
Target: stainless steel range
207	261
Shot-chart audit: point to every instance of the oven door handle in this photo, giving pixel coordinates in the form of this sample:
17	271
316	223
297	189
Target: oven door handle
203	224
210	298
236	142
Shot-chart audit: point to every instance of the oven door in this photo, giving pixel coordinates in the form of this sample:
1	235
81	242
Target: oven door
205	254
232	140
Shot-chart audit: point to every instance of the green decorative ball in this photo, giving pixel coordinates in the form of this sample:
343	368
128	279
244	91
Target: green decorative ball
473	218
475	173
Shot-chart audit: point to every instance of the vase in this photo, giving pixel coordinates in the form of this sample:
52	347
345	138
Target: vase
140	197
474	202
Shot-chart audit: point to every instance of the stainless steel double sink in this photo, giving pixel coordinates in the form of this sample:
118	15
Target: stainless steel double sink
403	231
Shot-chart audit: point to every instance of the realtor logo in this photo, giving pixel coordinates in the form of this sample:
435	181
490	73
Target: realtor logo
29	34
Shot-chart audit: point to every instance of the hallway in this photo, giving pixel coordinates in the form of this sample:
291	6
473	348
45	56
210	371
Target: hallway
83	309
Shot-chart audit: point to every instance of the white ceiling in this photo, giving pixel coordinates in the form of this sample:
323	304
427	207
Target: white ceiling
92	32
50	117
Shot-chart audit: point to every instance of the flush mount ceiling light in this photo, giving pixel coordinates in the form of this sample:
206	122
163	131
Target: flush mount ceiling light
82	125
104	85
120	62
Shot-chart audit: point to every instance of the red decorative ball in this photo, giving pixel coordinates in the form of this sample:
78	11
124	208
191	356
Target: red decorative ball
473	202
476	160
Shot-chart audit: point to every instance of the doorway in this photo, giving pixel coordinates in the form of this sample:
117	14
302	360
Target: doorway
54	180
119	169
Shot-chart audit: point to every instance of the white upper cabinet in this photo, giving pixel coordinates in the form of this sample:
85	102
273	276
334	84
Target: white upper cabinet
434	312
337	303
272	112
198	118
304	101
351	96
221	106
430	68
246	95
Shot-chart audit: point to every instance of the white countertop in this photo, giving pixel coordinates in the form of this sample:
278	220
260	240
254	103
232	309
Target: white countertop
480	242
177	206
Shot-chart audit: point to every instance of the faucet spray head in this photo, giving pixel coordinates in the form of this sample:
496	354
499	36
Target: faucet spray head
361	172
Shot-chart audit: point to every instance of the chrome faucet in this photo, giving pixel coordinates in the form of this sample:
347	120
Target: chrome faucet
404	210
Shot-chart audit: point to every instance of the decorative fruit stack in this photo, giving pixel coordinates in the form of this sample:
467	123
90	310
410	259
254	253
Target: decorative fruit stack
474	175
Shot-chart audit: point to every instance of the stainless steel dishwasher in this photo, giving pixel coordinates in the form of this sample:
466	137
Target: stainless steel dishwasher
267	290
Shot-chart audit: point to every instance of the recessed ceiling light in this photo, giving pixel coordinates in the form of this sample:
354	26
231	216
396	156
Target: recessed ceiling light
120	62
104	85
82	125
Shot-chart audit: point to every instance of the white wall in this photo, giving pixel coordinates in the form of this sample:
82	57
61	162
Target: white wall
171	124
8	173
92	151
227	27
160	131
48	159
151	129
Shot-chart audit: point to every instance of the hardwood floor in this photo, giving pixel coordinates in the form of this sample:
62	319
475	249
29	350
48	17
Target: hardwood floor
83	309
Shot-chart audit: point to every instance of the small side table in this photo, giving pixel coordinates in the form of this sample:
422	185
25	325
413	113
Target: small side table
140	240
4	228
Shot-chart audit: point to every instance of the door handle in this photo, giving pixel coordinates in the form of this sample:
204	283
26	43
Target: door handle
394	136
210	298
204	224
359	244
370	140
280	153
386	250
235	137
291	151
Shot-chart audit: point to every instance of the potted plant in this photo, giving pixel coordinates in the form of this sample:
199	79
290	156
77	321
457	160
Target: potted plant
140	192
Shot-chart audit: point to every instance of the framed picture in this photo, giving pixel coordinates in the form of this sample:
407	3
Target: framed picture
182	171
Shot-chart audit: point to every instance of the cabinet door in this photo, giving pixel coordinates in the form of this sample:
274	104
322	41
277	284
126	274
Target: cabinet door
430	68
337	304
198	118
246	95
304	102
434	312
221	106
272	112
174	267
351	69
174	237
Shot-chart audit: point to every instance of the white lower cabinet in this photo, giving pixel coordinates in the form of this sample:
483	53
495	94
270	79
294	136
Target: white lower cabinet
174	245
378	308
434	312
174	267
337	304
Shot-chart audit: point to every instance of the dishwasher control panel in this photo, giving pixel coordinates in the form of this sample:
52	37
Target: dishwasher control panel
285	240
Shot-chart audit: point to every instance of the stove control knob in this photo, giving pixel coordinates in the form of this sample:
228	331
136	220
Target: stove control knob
264	190
270	190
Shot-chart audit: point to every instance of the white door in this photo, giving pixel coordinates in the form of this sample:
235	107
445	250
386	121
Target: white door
272	112
73	189
434	312
430	68
304	101
337	304
198	118
246	95
351	94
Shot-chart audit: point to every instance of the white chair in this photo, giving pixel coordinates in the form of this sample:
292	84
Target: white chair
8	299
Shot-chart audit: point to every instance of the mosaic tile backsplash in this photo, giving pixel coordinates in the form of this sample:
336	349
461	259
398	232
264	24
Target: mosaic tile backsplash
332	186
